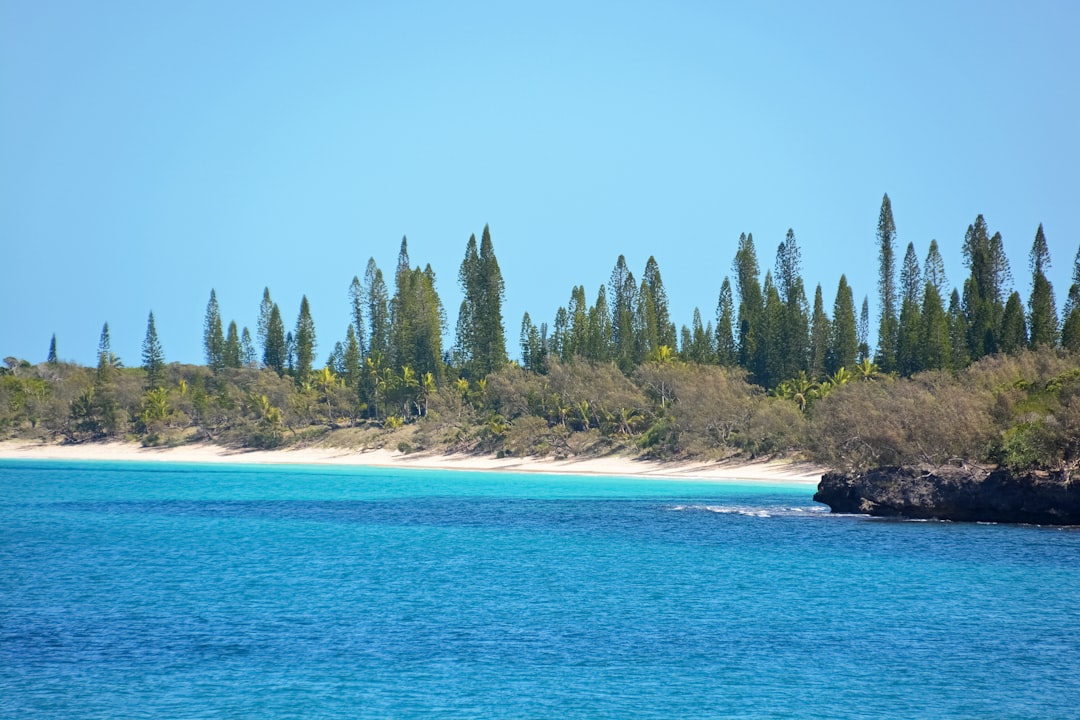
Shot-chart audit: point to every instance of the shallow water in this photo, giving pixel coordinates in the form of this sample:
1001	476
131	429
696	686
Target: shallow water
151	590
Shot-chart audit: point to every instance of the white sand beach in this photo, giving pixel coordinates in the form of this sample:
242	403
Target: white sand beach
781	472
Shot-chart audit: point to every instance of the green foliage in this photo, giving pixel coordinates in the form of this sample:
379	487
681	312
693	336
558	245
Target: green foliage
213	335
1041	308
888	324
153	356
304	339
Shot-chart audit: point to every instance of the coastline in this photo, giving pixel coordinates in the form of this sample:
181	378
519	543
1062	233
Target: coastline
771	472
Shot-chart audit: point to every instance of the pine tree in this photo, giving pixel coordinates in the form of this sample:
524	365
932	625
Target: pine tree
1042	310
263	328
105	353
600	344
984	289
559	337
935	350
958	332
304	339
623	294
578	344
665	329
52	359
532	346
416	320
491	346
888	324
751	306
357	299
351	367
276	349
726	351
213	337
465	336
153	357
1070	328
247	349
909	327
795	326
934	269
819	336
770	336
843	338
378	311
1013	326
231	352
863	330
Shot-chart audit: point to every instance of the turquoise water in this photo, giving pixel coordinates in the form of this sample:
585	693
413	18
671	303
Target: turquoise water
153	590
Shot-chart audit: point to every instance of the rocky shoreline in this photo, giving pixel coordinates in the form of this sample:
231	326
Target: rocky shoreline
962	494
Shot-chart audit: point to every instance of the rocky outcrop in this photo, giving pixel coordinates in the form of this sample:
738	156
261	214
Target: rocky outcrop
962	494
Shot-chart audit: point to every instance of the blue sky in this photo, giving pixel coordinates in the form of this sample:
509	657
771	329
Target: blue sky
152	151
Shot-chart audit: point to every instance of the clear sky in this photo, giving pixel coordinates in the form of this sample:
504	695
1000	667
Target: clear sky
152	151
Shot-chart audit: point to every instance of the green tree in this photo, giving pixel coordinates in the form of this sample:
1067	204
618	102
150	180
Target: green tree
533	352
52	359
351	361
247	349
935	348
888	324
1013	326
1070	328
378	310
464	337
698	342
819	337
213	336
984	289
357	299
770	336
623	293
909	327
863	330
658	329
1042	310
416	319
153	356
751	306
934	269
958	332
266	307
276	349
726	351
600	335
233	354
843	336
795	327
481	337
304	338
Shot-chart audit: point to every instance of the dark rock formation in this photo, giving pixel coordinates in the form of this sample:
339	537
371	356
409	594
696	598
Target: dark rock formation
962	494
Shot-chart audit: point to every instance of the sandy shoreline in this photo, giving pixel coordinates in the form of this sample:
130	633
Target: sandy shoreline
779	472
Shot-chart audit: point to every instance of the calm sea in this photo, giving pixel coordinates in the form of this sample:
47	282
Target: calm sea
169	591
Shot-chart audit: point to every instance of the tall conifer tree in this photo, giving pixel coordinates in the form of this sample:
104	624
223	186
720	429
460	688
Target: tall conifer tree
1041	307
1070	328
726	351
276	349
863	330
153	356
304	339
935	350
52	359
819	336
262	330
843	338
378	311
1013	326
213	336
751	306
909	328
888	324
232	353
357	300
795	327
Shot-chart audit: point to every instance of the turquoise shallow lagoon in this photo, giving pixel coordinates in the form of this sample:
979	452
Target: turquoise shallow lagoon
159	590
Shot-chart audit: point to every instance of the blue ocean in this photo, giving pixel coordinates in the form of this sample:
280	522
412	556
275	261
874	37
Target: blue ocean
131	590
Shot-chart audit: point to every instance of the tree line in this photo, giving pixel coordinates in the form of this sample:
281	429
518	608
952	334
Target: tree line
391	368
